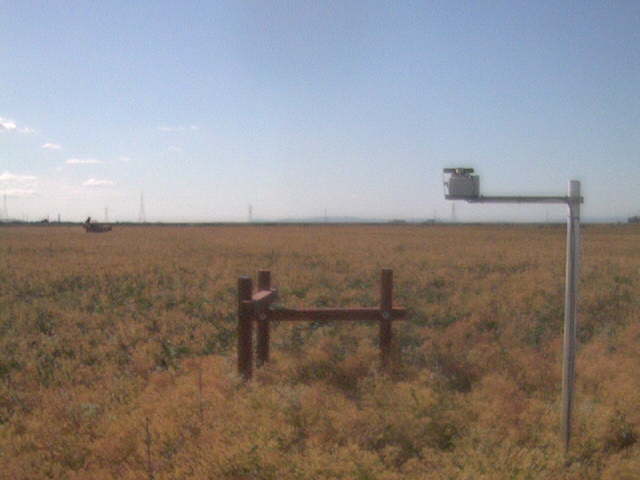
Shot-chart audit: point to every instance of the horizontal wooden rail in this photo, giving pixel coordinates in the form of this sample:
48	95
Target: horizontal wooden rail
315	314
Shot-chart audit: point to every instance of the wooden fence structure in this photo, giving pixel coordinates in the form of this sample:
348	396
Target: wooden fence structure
256	308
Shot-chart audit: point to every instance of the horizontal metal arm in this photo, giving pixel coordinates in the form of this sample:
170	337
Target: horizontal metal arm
519	199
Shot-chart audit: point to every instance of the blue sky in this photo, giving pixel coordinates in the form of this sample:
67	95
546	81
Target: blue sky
300	106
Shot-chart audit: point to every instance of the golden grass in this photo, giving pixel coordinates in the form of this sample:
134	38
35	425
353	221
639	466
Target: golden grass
117	354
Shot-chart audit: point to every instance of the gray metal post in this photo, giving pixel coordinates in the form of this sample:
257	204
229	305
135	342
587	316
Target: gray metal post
466	188
570	311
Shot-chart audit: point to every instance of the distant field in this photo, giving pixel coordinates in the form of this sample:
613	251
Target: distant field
117	354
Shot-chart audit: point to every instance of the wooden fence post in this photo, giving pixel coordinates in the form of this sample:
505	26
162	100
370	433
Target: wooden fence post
386	305
245	328
264	283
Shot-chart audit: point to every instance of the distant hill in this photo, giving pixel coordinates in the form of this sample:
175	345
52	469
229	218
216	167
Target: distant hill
328	220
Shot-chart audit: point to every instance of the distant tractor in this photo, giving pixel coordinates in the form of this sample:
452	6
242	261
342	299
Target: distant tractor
95	227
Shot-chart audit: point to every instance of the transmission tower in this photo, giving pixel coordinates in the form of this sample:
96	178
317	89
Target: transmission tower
454	217
250	213
142	217
106	214
5	212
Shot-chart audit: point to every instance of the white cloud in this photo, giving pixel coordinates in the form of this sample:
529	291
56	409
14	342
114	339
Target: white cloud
13	185
178	128
7	177
18	192
7	125
93	182
124	159
51	146
82	161
173	148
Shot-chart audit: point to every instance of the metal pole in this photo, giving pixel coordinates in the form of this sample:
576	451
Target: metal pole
573	200
570	310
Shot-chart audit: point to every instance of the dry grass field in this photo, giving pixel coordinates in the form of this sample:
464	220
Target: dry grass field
117	355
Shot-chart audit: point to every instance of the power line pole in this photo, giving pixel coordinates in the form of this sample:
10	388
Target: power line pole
250	213
142	217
